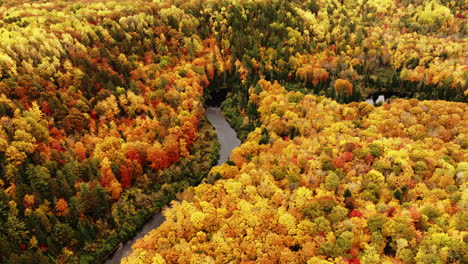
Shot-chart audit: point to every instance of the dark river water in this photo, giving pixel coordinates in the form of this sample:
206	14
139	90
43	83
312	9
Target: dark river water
227	138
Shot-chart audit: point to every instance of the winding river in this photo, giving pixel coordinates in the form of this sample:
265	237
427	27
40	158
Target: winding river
228	140
227	137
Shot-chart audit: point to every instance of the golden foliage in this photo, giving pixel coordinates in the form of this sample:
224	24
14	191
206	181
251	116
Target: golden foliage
292	201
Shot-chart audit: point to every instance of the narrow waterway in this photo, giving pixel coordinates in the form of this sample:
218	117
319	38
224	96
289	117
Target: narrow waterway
228	140
126	248
227	137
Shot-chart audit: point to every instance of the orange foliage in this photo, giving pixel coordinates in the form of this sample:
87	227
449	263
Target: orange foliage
80	150
126	174
61	207
158	157
299	192
171	148
343	86
109	182
28	200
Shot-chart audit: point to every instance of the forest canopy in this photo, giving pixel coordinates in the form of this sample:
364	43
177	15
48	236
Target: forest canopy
355	184
102	123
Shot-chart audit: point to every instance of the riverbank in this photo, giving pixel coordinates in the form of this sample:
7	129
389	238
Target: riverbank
189	171
227	140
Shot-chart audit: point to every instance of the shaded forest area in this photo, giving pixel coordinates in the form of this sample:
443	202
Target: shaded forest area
102	123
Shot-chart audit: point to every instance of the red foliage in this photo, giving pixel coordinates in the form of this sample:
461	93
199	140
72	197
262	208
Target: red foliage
107	177
133	154
391	211
369	159
26	105
21	92
55	144
338	162
126	175
148	58
355	213
154	103
354	252
45	108
159	158
294	160
94	114
321	234
57	133
347	156
353	261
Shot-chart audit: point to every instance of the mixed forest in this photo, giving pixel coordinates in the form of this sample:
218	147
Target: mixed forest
102	124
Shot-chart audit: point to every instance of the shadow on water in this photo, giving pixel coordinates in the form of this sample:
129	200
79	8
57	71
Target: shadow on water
216	97
227	136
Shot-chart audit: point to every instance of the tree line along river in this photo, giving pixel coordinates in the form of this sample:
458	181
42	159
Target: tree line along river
228	140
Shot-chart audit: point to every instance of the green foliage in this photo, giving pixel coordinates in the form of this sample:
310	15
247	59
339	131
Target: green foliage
338	214
347	193
375	223
430	212
398	194
331	181
344	242
412	63
420	166
321	224
327	164
101	106
63	234
375	150
28	257
313	210
265	139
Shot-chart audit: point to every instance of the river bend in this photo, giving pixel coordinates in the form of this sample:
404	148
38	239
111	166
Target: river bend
228	140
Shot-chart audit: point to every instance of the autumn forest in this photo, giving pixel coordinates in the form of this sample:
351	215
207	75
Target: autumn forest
102	124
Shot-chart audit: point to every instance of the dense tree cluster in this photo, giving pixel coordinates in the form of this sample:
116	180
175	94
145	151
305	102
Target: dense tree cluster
97	101
330	183
345	50
101	121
